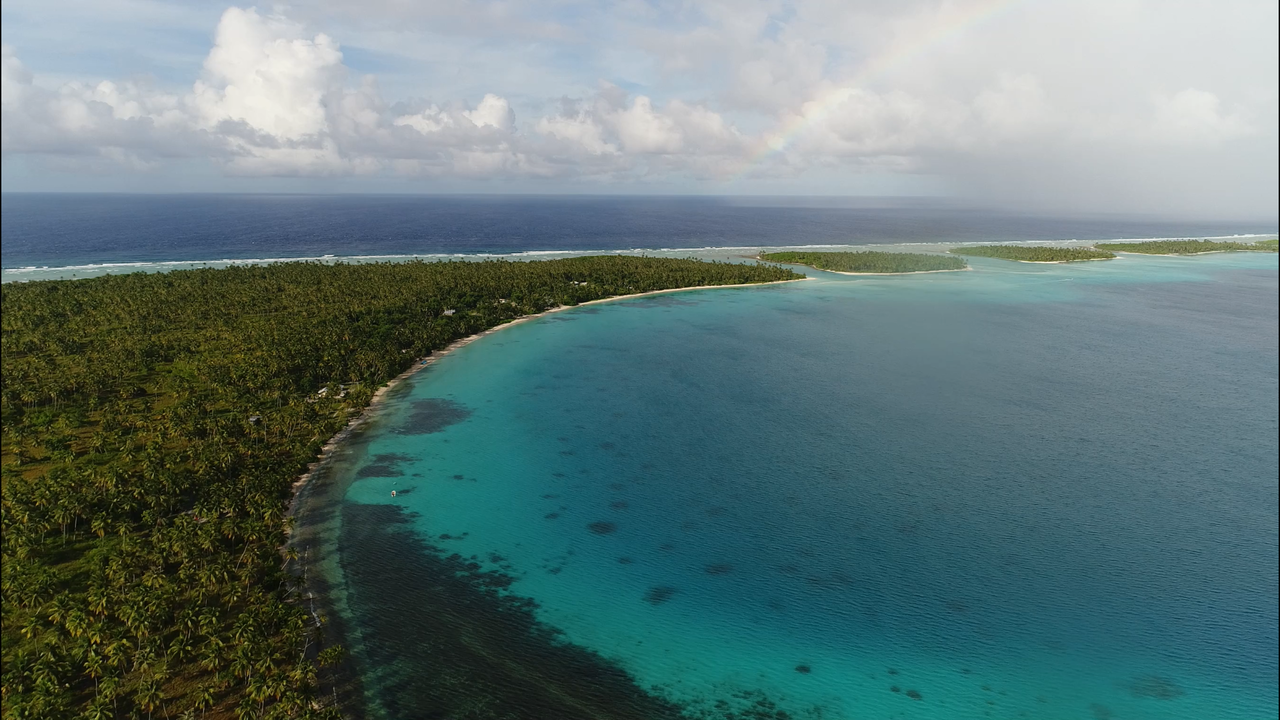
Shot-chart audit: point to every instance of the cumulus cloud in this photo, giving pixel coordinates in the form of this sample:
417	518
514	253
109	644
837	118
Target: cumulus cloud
493	112
631	134
642	130
429	120
578	128
264	72
994	101
274	99
126	121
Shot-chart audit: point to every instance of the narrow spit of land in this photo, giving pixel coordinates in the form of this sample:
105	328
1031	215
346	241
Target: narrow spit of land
1034	253
1189	247
153	425
868	262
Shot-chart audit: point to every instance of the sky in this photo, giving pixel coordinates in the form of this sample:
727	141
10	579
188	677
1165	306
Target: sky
1131	106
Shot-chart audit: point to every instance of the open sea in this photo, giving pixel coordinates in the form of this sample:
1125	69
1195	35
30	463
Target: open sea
1021	491
79	235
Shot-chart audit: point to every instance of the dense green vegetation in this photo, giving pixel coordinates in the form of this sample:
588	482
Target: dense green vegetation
1188	247
868	261
153	425
1038	253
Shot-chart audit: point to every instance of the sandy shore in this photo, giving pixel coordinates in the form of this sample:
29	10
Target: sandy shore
875	274
1206	252
845	272
1057	262
326	453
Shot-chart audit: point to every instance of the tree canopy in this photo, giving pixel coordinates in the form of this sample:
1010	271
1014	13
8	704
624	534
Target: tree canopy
1188	247
868	261
1035	253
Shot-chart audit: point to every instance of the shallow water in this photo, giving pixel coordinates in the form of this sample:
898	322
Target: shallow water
1023	491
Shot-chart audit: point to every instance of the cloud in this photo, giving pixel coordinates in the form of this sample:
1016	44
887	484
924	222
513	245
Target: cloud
267	91
856	122
1010	102
1017	106
264	72
429	120
493	112
642	130
615	134
130	122
1195	116
578	128
276	100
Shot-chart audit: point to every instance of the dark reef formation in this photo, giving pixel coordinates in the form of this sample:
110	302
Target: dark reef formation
383	466
433	415
378	471
659	595
448	644
1154	687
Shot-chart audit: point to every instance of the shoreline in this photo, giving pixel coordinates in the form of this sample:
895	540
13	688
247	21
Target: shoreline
847	272
1059	262
327	452
876	274
1205	252
305	534
322	501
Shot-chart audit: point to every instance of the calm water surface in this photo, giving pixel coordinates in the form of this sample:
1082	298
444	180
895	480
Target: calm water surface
1023	491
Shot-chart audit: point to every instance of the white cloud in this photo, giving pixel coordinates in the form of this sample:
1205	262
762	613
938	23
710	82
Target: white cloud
269	92
706	130
578	129
15	80
642	130
272	100
494	112
103	120
1195	116
865	123
265	72
430	120
691	92
612	133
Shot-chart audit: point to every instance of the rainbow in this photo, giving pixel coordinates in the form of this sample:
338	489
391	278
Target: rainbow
817	110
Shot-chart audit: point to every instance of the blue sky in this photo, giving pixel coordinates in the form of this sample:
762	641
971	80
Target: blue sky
1095	106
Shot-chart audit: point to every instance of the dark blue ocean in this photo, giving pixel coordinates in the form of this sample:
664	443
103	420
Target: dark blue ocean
1023	491
61	230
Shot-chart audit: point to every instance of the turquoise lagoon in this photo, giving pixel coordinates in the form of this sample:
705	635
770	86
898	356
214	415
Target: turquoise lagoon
1044	491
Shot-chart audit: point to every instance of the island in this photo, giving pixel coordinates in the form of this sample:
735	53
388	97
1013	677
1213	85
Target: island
868	262
1189	247
1034	253
154	427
